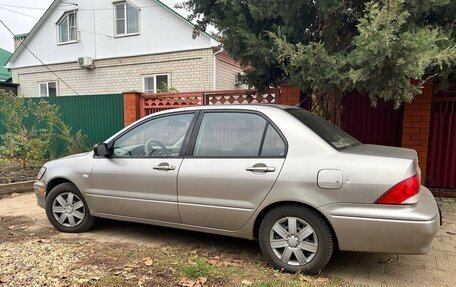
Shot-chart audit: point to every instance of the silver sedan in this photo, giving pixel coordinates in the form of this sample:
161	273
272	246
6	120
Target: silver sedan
277	174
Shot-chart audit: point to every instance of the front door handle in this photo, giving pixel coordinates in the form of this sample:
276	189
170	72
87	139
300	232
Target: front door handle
260	167
164	166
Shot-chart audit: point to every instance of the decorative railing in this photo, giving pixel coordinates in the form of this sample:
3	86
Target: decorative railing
152	103
270	96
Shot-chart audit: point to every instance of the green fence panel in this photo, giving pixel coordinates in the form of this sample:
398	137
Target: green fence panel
97	116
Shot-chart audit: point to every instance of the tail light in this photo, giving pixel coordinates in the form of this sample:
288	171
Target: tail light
405	192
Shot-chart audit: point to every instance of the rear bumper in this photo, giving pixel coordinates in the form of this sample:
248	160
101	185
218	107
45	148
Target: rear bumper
386	228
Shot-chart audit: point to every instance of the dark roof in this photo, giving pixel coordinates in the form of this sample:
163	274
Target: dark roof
21	35
4	57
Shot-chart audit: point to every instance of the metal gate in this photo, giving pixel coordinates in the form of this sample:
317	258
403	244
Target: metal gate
442	143
380	125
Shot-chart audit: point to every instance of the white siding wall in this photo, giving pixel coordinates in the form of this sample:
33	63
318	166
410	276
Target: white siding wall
160	31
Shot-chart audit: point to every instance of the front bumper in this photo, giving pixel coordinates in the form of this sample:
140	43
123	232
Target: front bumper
39	187
386	228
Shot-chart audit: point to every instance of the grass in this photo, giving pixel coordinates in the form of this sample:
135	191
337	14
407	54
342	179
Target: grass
200	268
123	265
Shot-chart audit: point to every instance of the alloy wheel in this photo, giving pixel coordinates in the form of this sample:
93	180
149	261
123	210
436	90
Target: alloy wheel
68	209
293	241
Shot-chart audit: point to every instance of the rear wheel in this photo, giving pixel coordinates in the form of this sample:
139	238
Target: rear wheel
296	239
67	209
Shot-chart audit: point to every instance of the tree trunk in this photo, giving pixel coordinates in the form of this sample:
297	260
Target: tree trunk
329	106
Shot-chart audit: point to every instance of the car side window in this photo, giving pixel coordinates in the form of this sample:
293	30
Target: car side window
273	145
230	135
160	137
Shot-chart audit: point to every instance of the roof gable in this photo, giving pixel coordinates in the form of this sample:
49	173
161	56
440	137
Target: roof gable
53	11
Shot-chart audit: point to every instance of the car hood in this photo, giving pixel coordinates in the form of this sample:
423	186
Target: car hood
76	155
380	150
67	159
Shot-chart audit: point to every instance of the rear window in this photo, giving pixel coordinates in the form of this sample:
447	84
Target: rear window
336	137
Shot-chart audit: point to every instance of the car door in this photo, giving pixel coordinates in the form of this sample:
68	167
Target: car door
233	161
139	179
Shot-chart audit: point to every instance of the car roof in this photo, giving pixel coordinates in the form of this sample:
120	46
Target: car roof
255	107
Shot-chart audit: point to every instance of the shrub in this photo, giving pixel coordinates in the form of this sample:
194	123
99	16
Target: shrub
32	130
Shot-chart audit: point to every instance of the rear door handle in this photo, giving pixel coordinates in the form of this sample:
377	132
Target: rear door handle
164	166
260	168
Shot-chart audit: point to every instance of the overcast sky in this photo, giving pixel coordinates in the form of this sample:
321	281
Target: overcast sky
19	20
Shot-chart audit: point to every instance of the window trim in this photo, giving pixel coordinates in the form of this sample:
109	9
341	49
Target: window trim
125	34
155	81
184	146
66	14
47	88
196	129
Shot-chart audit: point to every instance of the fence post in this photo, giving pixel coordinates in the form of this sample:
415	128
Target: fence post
290	95
132	111
416	123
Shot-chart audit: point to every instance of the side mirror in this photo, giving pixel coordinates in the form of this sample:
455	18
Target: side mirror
101	149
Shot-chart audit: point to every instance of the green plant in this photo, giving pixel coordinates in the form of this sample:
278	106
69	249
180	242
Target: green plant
165	89
200	268
74	142
329	47
32	130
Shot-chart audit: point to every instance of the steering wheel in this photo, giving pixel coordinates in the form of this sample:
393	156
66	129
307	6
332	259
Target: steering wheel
149	147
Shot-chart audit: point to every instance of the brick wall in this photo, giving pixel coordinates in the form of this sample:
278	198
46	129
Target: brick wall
188	70
131	107
416	123
227	70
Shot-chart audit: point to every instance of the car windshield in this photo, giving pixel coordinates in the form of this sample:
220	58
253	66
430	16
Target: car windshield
324	129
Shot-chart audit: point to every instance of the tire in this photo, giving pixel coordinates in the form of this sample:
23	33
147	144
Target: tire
301	250
75	216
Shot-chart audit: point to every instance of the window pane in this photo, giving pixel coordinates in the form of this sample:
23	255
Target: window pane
52	89
273	143
162	137
162	83
63	30
230	135
120	27
120	11
132	19
324	129
43	90
72	19
149	85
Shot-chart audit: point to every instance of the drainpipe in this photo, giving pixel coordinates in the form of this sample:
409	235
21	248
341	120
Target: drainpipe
94	39
214	69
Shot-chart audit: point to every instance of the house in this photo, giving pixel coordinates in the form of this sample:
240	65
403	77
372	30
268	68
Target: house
4	73
103	47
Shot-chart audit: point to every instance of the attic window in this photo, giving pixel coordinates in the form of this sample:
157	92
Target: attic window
126	19
68	29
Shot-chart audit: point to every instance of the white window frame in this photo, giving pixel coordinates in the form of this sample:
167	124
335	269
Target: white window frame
66	14
124	3
47	88
155	81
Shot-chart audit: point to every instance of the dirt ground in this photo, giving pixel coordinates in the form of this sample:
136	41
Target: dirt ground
40	257
117	253
13	172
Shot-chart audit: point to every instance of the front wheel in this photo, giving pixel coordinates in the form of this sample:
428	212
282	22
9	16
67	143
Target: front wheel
296	239
67	209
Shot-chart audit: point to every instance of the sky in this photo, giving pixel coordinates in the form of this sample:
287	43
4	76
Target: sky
22	20
19	20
